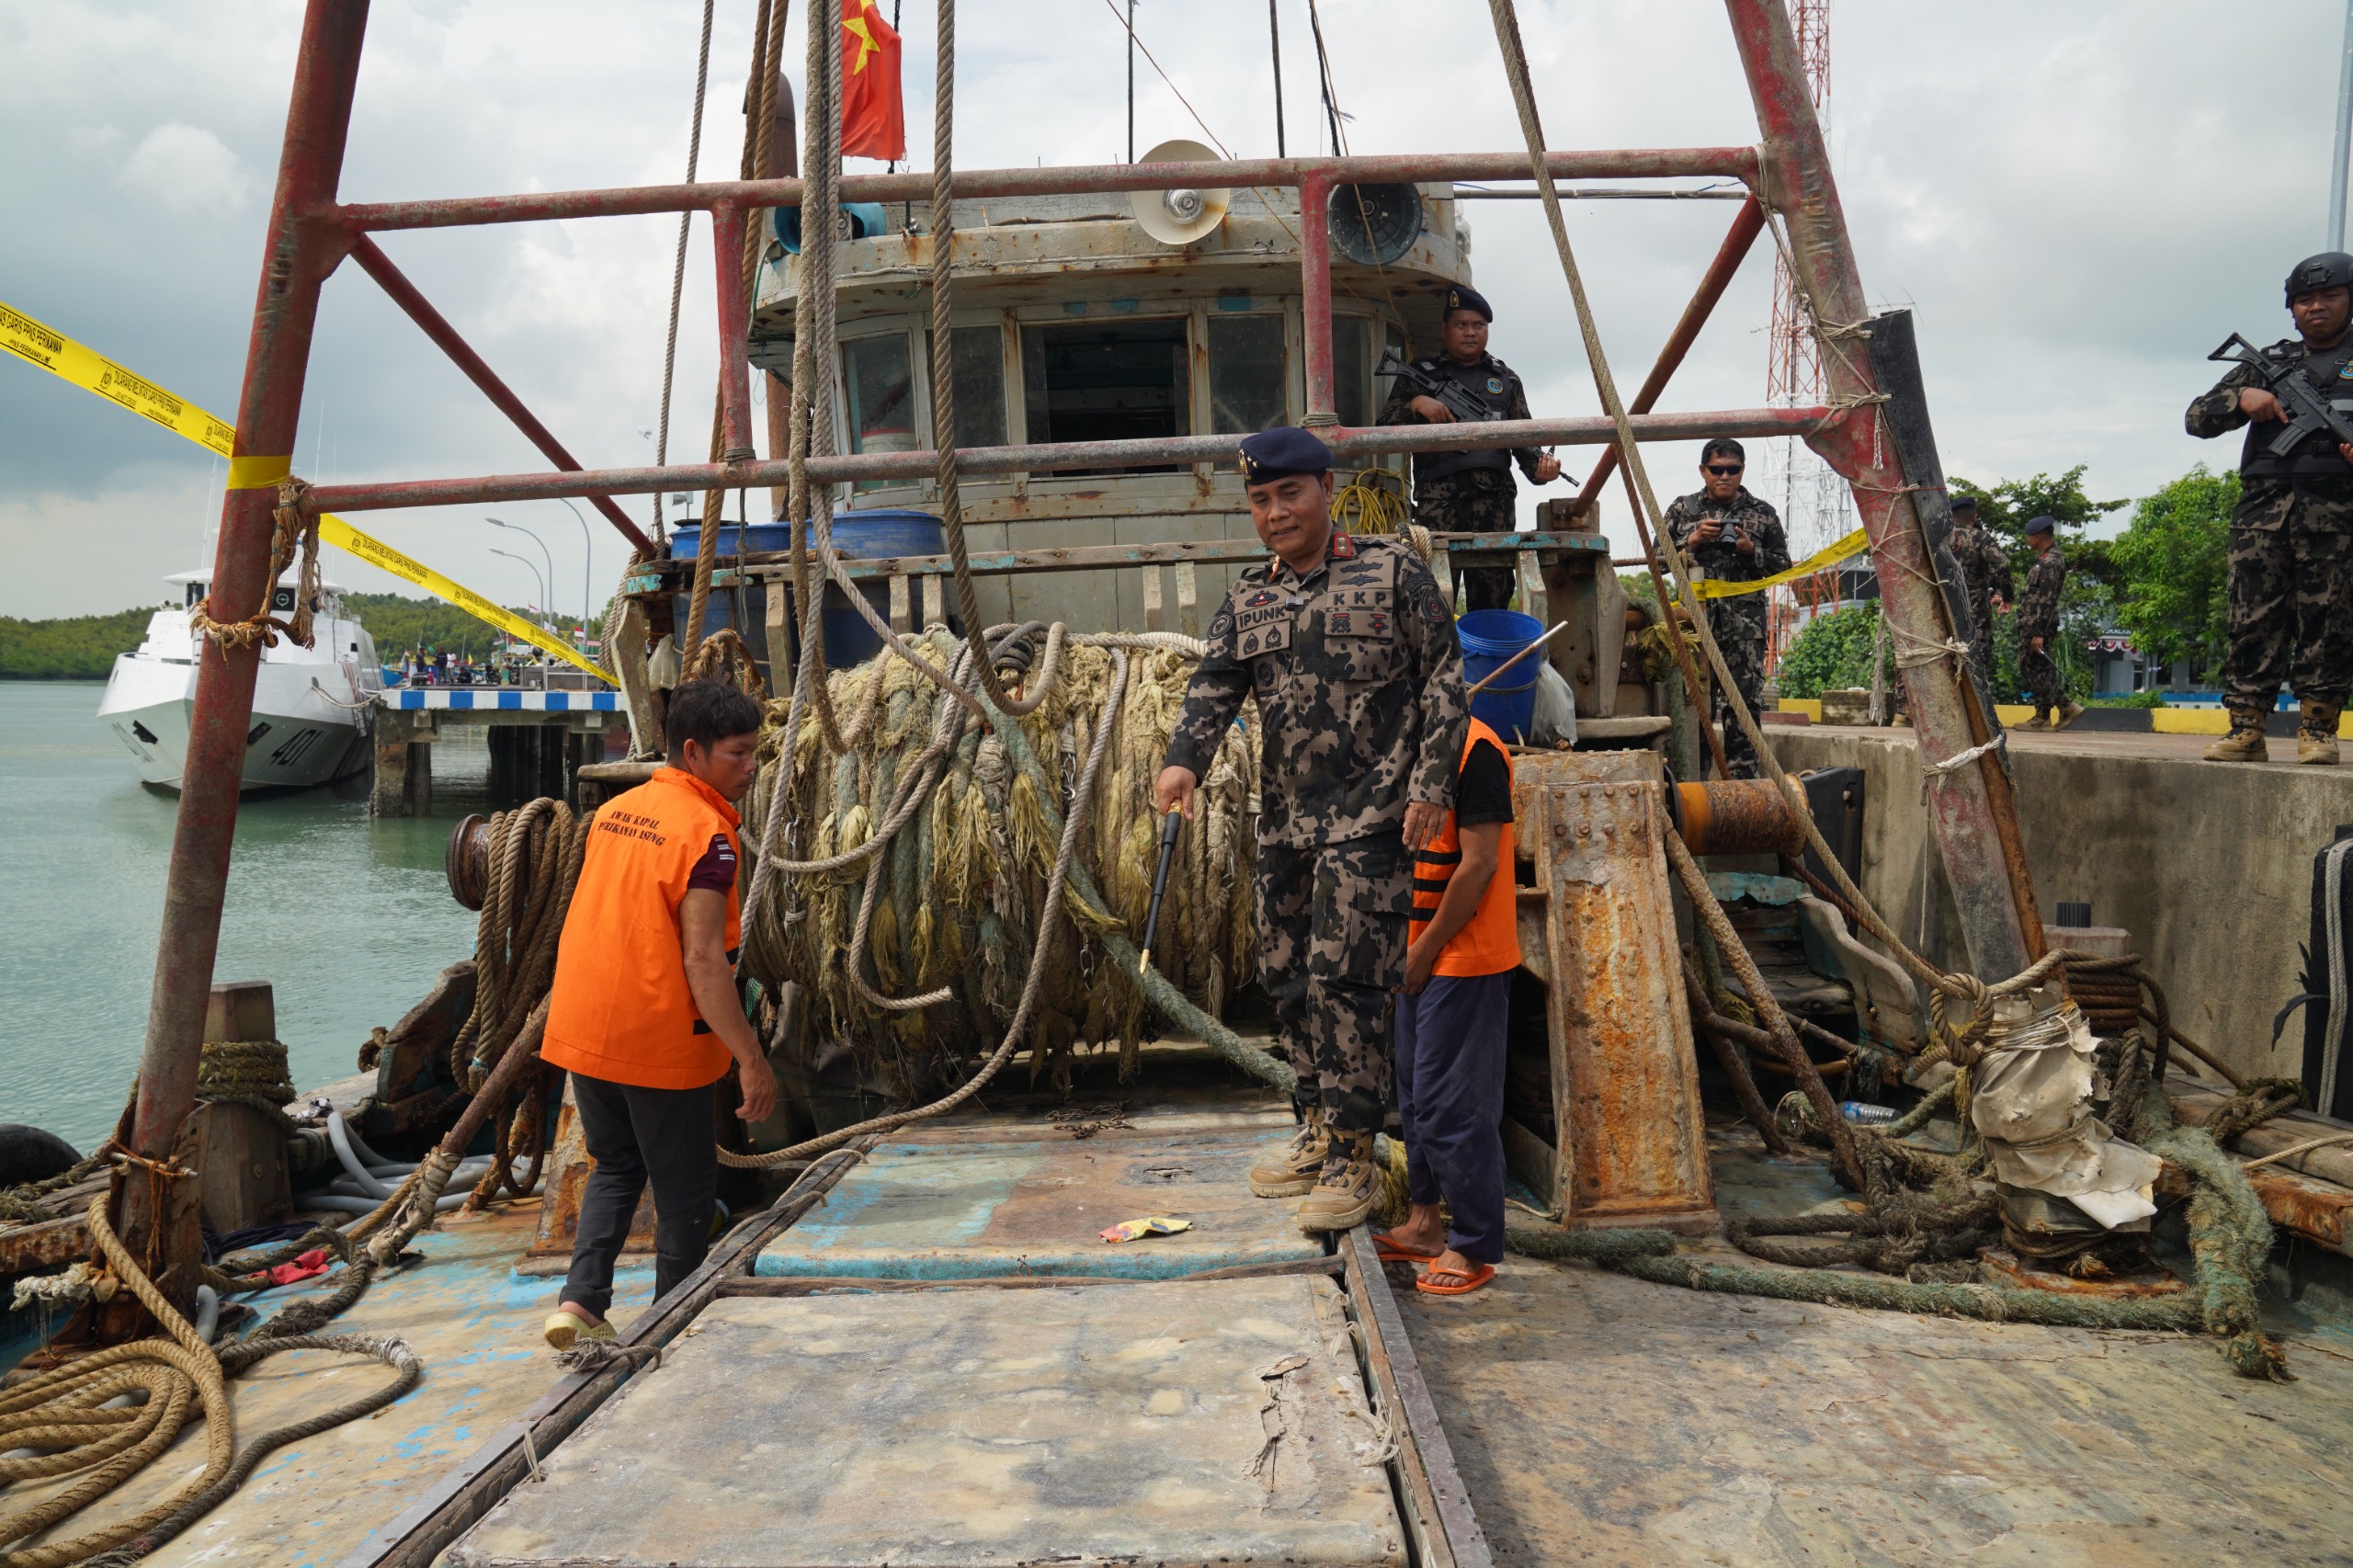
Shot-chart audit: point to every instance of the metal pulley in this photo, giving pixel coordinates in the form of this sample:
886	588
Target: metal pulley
466	862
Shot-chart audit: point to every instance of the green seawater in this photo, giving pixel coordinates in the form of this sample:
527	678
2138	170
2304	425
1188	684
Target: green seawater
349	918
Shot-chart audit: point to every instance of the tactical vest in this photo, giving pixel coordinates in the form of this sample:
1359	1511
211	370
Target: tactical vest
1489	941
2330	372
1487	381
620	1009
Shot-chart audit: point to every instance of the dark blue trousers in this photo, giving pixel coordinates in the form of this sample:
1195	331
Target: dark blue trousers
1450	1096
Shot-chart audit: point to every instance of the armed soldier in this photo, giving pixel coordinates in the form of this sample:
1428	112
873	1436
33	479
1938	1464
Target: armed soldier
1468	492
1351	655
2039	631
1728	535
1986	578
2292	537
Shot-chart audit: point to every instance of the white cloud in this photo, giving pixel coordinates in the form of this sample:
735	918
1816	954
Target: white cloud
184	168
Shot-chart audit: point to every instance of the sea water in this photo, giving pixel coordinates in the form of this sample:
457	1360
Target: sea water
349	918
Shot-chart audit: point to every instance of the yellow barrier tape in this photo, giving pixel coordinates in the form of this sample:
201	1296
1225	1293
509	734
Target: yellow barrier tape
258	473
93	372
55	352
376	552
1829	555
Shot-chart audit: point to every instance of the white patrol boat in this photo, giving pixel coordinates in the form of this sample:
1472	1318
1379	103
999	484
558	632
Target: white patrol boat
311	705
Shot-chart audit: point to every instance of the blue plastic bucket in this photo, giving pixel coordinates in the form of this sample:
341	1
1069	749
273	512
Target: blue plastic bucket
1489	638
857	536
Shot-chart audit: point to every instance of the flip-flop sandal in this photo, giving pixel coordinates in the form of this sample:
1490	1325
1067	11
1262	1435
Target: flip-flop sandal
1389	1252
1455	1281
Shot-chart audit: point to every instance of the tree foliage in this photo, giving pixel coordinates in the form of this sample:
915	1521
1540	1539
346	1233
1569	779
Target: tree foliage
2175	558
83	647
1832	651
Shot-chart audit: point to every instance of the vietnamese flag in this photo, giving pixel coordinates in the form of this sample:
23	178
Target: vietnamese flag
874	122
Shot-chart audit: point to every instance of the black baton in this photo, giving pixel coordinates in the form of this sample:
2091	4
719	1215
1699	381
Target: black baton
1169	825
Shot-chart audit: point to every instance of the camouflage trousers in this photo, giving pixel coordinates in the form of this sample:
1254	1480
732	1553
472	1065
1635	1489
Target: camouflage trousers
1331	952
1739	628
2290	613
1479	501
2040	674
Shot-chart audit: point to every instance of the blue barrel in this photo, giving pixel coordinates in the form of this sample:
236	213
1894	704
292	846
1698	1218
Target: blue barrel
857	536
1489	637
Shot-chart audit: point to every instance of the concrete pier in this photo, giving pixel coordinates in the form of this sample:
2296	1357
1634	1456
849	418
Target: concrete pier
2207	864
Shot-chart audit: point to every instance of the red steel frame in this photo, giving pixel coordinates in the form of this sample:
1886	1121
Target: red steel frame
310	233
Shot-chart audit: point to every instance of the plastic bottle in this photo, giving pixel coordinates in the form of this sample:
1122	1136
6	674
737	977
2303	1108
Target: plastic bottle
1864	1115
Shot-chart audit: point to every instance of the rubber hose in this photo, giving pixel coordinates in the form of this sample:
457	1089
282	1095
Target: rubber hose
340	1135
208	1312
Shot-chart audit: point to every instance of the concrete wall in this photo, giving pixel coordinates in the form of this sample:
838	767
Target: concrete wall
2207	865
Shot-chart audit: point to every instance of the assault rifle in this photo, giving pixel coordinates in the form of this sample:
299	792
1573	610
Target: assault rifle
2309	412
1457	398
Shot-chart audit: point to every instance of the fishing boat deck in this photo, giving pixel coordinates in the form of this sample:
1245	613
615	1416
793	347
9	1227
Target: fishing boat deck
1601	1419
463	1309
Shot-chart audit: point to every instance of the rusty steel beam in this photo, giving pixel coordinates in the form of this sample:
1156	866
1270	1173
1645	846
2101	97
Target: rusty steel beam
1316	296
1981	862
532	207
1747	224
378	265
911	467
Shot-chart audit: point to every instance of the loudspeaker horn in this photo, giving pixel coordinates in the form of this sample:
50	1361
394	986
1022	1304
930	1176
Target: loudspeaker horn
1179	217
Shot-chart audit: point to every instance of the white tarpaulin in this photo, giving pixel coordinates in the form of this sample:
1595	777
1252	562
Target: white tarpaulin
2030	1099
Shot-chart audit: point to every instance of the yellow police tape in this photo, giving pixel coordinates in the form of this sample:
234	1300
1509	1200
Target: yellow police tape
92	371
1829	555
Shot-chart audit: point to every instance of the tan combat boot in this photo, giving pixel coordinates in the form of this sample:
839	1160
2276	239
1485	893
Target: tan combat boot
2041	720
2244	742
1291	1171
2067	715
2316	734
1347	1189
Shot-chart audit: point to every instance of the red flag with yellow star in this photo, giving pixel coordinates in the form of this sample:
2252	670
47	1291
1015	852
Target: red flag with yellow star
874	122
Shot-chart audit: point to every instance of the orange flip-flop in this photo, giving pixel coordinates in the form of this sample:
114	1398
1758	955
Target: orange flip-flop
1386	1246
1455	1281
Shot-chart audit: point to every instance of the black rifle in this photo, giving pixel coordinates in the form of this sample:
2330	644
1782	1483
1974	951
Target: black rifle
1457	398
2309	412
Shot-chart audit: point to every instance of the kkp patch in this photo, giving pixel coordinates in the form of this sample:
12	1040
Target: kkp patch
1496	384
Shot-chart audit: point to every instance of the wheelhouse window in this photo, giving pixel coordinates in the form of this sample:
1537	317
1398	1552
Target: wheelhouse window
976	359
881	391
1106	381
1245	374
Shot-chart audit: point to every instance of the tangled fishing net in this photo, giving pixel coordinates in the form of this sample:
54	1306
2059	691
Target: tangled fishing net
962	886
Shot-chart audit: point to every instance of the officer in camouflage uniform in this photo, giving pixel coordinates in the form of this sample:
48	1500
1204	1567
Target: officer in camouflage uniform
2292	537
1986	579
2039	631
1728	535
1351	657
1470	492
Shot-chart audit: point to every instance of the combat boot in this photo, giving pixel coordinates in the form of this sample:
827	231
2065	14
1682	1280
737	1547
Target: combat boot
1349	1188
2067	715
2041	720
2316	734
2244	742
1291	1171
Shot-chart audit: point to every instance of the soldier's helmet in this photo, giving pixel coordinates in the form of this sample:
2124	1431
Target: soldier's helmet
2329	269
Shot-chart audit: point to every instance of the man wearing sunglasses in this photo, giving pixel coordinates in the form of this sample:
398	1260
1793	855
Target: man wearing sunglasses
1728	535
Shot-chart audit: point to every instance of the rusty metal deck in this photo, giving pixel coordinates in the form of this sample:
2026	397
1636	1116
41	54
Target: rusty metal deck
995	1198
476	1325
1599	1419
1204	1422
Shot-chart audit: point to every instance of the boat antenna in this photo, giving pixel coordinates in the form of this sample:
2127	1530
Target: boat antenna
1275	44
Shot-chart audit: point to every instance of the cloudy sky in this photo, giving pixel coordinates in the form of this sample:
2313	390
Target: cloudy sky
2080	200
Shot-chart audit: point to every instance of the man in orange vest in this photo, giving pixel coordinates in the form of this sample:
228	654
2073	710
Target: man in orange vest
644	1014
1450	1030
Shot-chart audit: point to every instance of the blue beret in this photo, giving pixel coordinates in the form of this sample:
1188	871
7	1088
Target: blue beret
1964	503
2040	526
1461	299
1285	450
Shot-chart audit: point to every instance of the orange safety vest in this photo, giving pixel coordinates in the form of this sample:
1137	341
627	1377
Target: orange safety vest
620	1009
1489	942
